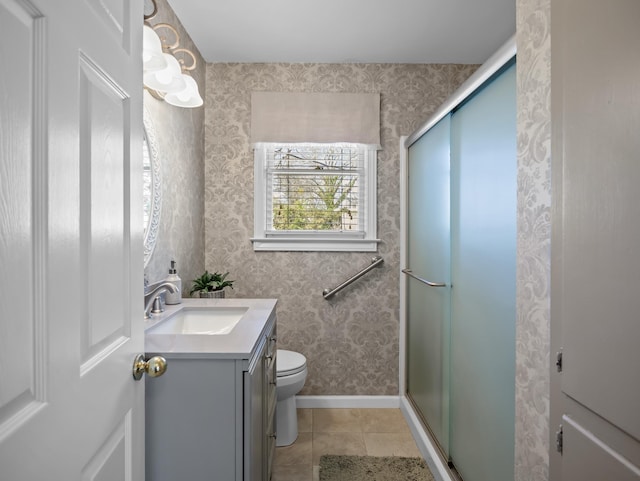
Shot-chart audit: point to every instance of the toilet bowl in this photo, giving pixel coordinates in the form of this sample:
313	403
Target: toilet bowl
291	370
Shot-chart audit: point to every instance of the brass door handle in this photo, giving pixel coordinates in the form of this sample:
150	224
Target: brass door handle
154	367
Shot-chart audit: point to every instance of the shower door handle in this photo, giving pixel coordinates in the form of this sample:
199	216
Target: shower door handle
410	273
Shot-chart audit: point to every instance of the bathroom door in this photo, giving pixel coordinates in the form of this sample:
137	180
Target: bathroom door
70	240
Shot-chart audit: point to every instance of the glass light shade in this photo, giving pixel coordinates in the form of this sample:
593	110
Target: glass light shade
168	80
189	97
152	55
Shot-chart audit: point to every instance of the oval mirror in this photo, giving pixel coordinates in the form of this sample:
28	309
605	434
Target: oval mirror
152	187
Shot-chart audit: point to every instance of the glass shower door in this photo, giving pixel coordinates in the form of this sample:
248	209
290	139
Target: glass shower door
483	254
428	247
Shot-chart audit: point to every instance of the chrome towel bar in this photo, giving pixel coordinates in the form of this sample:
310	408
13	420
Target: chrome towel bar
410	273
375	262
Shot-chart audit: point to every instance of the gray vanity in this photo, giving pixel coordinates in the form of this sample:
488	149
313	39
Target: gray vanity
211	416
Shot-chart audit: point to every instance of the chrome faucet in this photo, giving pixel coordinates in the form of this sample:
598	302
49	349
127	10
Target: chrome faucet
154	291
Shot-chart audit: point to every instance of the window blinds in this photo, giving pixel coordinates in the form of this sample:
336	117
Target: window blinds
311	188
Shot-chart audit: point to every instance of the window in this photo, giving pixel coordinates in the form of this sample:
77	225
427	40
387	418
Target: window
315	197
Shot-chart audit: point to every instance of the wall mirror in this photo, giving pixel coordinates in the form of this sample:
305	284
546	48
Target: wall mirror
152	187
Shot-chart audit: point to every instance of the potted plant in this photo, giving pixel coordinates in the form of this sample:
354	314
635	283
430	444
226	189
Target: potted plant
211	285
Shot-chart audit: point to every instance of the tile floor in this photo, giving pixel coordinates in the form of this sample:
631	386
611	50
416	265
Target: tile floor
373	432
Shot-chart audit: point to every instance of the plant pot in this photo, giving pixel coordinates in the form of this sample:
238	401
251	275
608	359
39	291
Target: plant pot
212	294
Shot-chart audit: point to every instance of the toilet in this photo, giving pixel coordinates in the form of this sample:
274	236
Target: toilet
291	370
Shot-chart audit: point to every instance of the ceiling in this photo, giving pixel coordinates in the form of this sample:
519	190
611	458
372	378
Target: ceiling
347	31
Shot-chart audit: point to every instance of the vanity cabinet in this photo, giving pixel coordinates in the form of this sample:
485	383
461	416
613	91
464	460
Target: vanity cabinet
212	416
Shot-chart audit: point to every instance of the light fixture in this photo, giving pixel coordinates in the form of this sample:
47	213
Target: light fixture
188	97
166	66
167	80
152	55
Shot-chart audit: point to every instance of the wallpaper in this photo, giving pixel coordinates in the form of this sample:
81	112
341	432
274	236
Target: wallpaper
351	341
180	136
534	240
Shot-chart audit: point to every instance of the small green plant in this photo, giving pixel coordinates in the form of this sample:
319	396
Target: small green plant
211	282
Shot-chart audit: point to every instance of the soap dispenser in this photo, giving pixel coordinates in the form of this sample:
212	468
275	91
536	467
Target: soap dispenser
171	297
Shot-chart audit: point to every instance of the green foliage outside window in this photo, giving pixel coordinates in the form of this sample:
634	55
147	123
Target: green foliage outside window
305	201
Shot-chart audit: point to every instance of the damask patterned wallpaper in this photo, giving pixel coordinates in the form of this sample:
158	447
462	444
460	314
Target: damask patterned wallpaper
180	136
534	240
351	341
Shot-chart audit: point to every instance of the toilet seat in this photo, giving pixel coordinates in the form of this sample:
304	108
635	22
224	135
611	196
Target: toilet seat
289	363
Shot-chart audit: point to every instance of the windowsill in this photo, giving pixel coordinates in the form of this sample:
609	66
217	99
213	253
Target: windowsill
316	245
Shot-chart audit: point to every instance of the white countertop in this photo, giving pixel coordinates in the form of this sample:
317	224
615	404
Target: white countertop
238	344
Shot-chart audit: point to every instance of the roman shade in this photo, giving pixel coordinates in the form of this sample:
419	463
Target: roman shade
296	117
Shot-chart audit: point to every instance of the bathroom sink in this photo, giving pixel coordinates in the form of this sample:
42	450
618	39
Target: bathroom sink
212	321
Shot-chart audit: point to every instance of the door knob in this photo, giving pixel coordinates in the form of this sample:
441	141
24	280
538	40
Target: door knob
154	367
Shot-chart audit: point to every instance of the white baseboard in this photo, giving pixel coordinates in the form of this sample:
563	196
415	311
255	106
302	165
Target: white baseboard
439	470
353	402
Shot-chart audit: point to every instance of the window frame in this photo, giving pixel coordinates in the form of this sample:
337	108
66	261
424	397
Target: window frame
317	241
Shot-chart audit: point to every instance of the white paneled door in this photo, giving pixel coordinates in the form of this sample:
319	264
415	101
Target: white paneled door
70	240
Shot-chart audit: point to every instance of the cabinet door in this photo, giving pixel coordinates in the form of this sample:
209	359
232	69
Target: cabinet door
254	417
193	421
270	400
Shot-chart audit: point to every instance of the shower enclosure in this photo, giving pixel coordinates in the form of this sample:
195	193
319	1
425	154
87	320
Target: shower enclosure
459	303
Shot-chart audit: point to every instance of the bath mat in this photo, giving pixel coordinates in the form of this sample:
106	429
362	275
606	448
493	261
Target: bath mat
372	468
